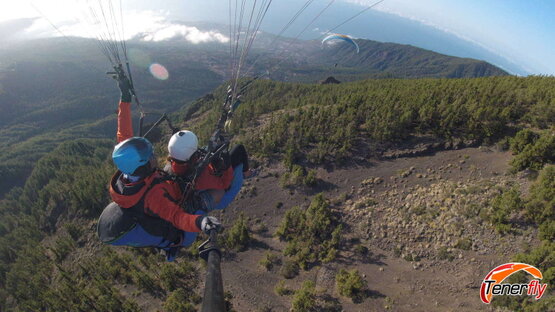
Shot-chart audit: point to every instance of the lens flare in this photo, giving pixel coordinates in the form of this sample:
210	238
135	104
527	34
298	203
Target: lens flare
159	71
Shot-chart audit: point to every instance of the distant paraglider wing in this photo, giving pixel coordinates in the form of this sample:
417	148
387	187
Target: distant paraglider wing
341	37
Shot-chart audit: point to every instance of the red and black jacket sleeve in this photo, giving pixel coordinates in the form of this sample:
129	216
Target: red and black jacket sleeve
125	123
161	202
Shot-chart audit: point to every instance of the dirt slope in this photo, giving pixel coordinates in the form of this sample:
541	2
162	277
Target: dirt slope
410	213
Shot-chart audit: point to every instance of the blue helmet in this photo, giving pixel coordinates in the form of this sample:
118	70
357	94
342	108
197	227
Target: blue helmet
132	154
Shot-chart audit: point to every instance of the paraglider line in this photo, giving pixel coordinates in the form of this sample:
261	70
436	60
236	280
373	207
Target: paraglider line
352	18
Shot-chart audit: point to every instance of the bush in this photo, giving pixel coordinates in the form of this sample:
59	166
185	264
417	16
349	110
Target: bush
504	144
312	235
361	250
502	207
269	260
259	226
464	244
310	179
289	269
539	208
63	246
443	253
238	237
350	284
177	302
522	139
281	289
174	276
535	155
543	257
74	230
144	281
547	231
26	285
298	176
305	298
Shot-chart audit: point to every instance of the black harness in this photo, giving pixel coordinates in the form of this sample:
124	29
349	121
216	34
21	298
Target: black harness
115	221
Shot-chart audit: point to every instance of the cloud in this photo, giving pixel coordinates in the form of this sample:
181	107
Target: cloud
14	29
146	25
189	33
155	26
142	25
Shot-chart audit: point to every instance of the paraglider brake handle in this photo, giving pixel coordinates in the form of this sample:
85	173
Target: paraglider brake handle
118	72
209	245
119	75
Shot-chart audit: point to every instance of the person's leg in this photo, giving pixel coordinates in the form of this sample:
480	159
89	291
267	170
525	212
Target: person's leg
187	239
137	237
238	155
233	190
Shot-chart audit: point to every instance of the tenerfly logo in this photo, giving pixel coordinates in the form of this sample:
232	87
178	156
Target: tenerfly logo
493	282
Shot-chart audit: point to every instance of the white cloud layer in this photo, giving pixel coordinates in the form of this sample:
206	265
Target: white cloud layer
189	33
144	25
154	26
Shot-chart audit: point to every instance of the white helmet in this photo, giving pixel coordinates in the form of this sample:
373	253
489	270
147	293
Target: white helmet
183	145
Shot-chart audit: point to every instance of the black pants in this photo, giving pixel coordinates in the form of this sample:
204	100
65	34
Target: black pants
238	155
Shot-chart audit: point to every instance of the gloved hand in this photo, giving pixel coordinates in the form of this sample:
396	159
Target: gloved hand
125	88
209	223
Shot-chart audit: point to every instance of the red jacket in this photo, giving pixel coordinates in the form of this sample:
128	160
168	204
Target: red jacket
162	200
207	179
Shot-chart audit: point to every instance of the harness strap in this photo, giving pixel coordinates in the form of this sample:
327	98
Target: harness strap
154	225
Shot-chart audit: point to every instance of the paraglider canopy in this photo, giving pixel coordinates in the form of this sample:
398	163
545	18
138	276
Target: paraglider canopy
347	38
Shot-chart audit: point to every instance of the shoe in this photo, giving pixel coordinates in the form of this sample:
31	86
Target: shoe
251	173
171	253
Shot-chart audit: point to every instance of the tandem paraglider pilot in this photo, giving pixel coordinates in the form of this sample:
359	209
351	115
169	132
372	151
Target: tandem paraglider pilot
147	204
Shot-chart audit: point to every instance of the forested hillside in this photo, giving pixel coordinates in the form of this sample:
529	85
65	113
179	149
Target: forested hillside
332	122
50	258
375	60
405	61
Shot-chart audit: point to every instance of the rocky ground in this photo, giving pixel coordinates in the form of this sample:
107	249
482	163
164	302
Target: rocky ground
428	248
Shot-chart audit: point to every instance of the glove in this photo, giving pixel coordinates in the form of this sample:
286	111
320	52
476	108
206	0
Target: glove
125	88
210	223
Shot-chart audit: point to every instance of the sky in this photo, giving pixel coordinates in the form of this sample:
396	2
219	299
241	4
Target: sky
522	31
513	34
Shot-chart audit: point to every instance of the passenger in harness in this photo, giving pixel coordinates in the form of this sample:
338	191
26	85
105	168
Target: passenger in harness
147	208
220	181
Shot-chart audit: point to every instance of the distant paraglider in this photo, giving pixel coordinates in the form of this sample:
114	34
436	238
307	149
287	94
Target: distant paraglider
346	38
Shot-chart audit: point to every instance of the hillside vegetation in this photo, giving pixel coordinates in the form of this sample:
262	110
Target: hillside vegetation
381	60
310	125
407	61
51	260
331	123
